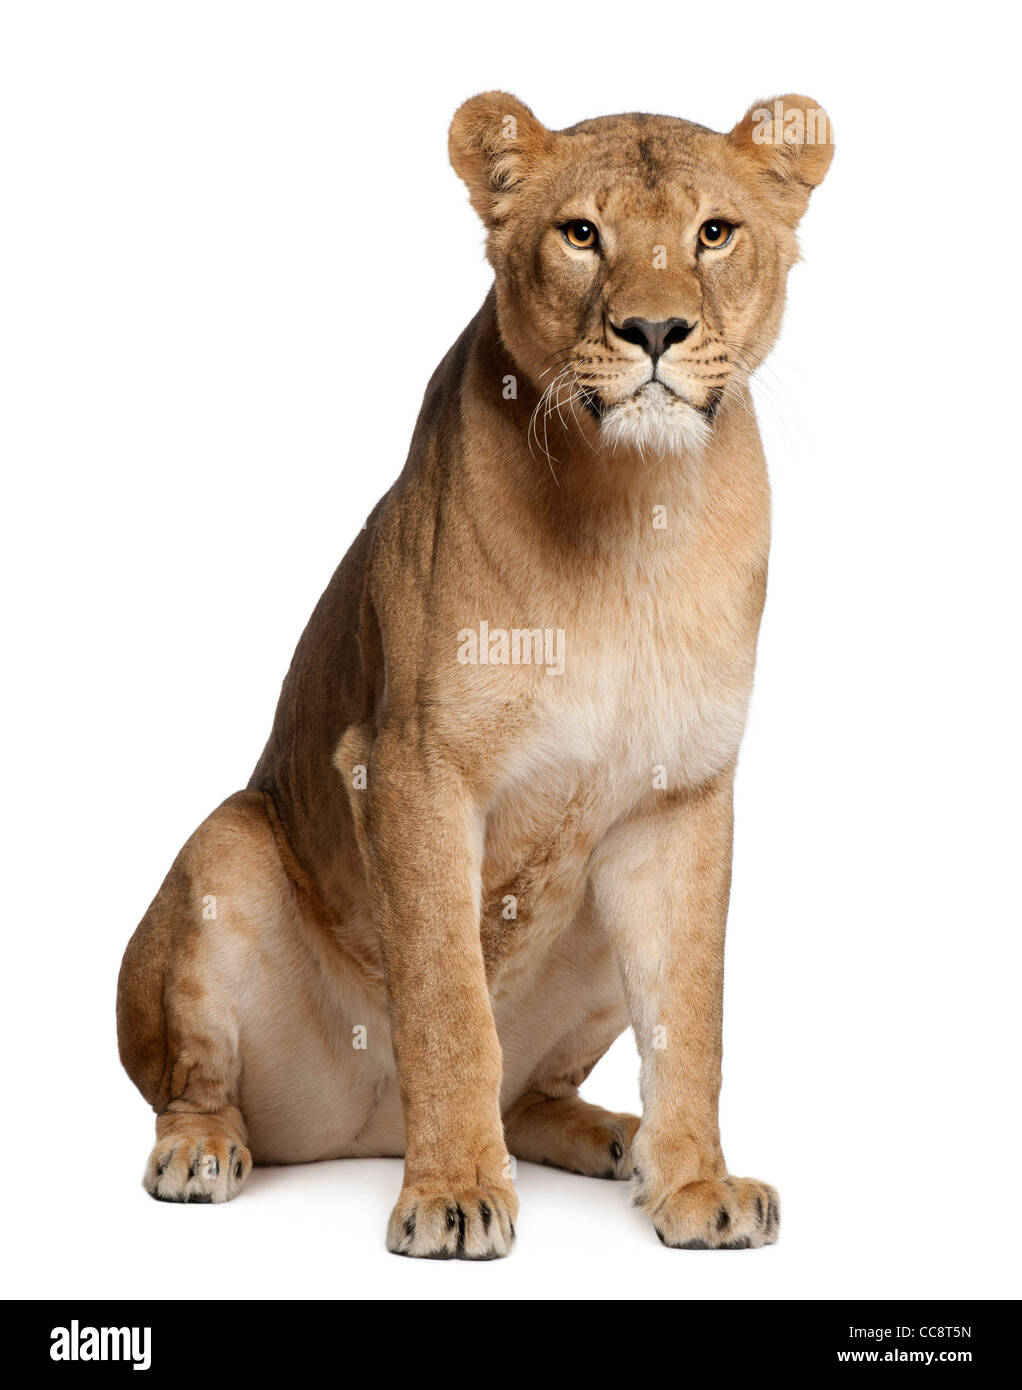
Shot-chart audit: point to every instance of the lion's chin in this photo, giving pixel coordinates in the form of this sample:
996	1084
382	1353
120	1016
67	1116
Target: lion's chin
655	422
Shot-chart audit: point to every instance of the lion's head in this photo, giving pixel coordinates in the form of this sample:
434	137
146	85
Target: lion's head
640	260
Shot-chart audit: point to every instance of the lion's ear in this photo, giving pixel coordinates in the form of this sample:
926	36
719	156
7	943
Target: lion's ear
494	142
789	142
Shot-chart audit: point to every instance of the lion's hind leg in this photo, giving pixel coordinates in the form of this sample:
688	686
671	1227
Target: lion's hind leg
550	1122
568	1132
179	999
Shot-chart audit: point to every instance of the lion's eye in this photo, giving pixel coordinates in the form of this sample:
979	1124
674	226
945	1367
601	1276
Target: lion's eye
716	233
582	235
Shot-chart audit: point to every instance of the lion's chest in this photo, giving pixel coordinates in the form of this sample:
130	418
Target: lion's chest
639	711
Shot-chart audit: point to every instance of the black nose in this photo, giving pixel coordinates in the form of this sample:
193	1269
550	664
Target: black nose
656	338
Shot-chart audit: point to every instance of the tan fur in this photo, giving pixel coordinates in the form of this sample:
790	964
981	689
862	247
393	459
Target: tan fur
484	872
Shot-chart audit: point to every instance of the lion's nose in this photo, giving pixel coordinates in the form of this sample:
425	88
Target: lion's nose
655	338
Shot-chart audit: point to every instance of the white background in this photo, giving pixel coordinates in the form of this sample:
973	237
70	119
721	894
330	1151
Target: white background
232	253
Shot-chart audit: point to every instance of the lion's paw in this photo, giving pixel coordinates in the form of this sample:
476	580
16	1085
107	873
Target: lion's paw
604	1150
475	1224
197	1169
732	1214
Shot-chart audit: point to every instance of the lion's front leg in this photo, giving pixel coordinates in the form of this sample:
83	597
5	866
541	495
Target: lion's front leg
661	882
420	837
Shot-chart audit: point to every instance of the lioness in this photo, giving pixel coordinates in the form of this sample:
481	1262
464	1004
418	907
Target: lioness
492	823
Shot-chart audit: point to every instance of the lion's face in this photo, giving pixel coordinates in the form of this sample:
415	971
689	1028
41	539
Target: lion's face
640	260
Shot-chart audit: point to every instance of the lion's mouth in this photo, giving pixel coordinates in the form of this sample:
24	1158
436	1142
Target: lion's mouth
655	413
652	391
657	392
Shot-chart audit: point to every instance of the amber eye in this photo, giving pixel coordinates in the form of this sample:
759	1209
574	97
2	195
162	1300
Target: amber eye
582	235
716	233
